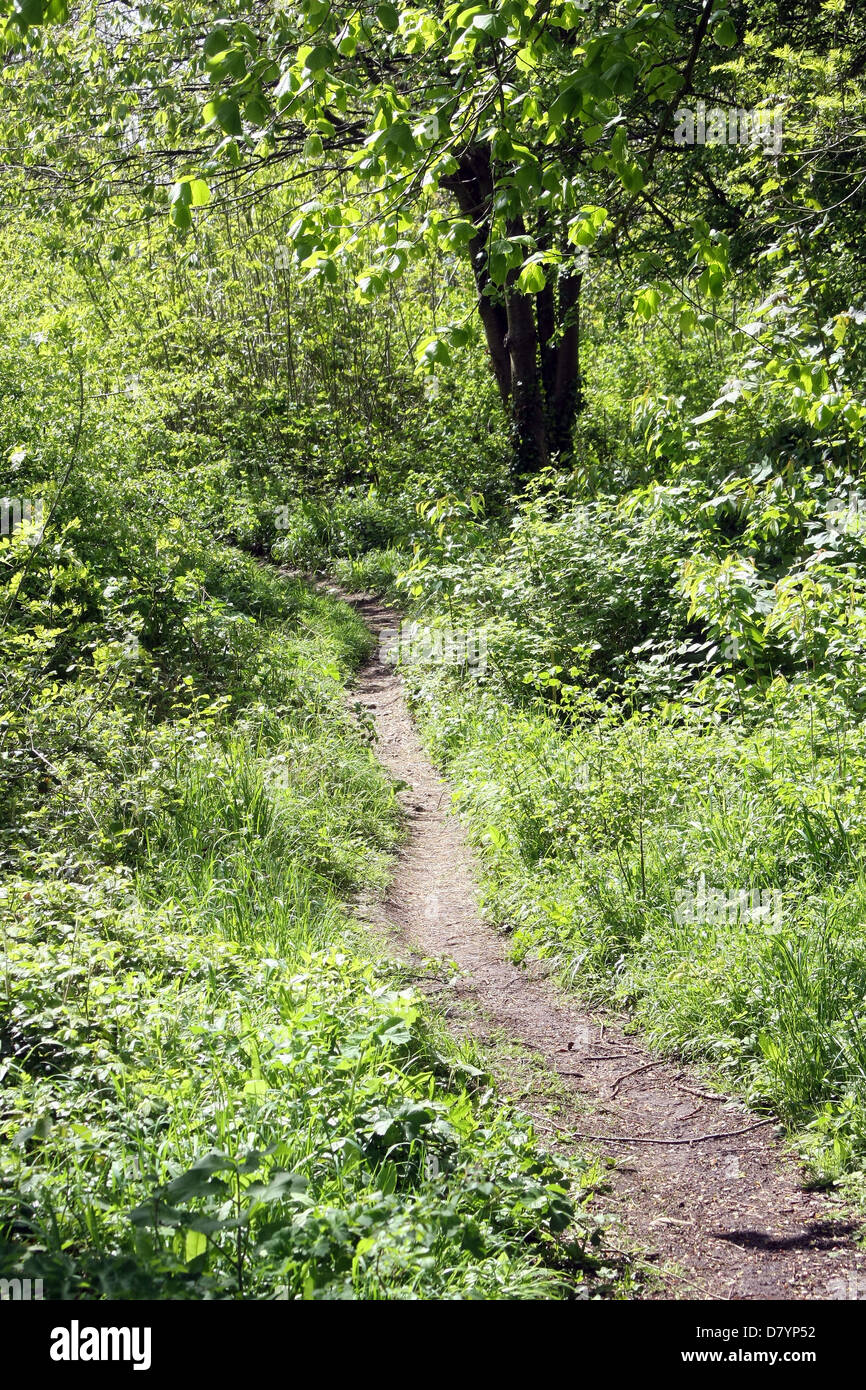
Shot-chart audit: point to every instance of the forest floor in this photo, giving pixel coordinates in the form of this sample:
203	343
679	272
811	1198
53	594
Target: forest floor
709	1203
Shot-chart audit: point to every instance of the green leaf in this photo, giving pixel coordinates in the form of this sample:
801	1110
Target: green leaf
231	63
179	199
387	1177
532	278
29	12
432	351
370	286
647	302
581	232
319	57
256	110
632	176
495	835
228	115
388	17
216	42
492	24
194	1245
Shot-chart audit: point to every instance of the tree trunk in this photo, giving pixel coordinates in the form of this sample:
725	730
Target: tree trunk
566	400
472	187
495	320
546	315
533	340
527	403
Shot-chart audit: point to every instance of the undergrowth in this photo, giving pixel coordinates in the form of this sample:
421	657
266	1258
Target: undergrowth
209	1088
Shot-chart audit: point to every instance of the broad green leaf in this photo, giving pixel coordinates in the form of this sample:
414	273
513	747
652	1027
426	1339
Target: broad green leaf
532	278
319	57
195	1245
389	17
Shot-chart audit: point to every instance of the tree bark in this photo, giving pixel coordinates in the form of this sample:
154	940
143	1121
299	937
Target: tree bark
546	316
472	187
533	340
527	404
566	400
495	320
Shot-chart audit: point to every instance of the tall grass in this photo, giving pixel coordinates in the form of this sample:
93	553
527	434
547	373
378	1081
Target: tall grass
596	836
210	1089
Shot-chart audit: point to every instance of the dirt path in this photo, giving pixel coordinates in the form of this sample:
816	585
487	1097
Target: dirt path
726	1218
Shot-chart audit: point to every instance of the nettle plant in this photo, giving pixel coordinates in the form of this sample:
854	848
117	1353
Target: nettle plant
795	352
820	614
810	622
730	599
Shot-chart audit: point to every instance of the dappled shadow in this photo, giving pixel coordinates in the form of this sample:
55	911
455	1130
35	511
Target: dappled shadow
819	1235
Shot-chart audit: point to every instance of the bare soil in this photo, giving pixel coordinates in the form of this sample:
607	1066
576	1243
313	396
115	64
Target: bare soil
704	1191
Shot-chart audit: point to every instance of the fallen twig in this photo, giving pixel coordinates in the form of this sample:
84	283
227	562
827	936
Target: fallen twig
640	1139
611	1056
625	1076
705	1095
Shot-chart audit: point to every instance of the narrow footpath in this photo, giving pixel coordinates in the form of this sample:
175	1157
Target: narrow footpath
705	1193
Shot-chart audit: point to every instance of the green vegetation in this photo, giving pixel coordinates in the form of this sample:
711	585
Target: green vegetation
208	1091
211	1087
484	309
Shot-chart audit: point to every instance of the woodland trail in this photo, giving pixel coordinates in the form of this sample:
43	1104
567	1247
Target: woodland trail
721	1217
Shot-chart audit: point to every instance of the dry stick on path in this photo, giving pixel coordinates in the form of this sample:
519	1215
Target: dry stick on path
647	1066
644	1139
